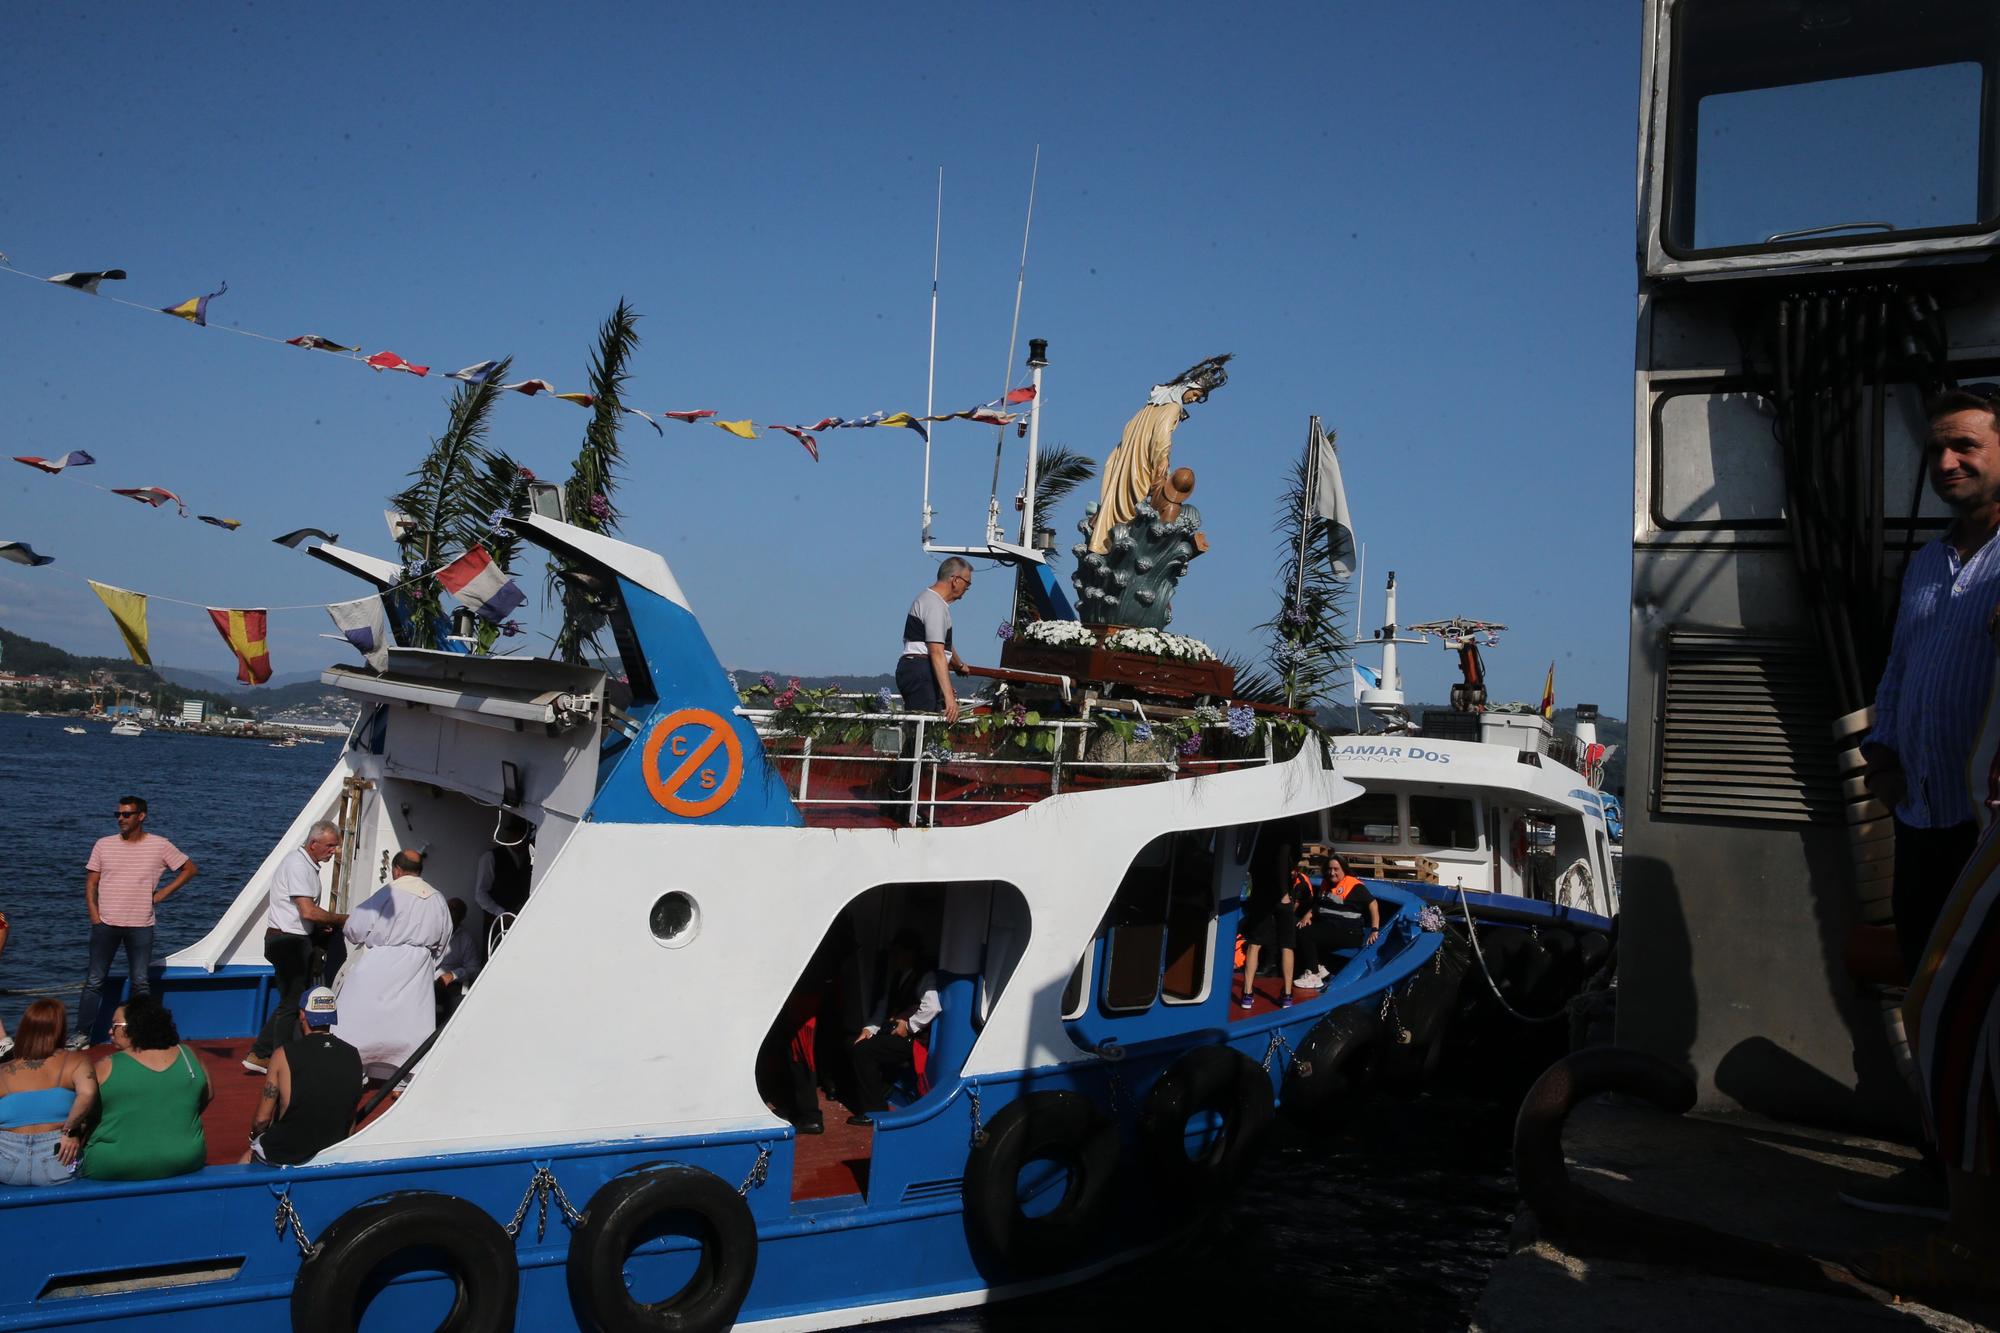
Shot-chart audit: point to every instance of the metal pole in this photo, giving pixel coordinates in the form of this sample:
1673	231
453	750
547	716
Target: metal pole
1038	351
1305	513
1360	601
1020	284
930	380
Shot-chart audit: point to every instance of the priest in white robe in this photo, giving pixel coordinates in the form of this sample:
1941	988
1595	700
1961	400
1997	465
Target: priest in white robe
387	1005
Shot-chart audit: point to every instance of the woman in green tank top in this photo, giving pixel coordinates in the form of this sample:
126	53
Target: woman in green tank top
150	1092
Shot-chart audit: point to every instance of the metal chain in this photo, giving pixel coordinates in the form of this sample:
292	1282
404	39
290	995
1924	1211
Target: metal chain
760	1170
978	1130
1278	1043
287	1214
542	1187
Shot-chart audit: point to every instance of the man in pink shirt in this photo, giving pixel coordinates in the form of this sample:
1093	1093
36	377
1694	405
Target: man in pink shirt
121	888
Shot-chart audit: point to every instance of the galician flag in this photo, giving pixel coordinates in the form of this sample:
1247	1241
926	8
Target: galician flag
475	580
364	624
1364	679
244	632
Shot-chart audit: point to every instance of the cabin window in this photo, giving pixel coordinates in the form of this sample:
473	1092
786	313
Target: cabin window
1159	934
1443	821
1787	117
1371	817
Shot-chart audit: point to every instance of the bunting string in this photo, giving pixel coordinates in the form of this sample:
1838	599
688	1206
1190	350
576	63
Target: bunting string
194	310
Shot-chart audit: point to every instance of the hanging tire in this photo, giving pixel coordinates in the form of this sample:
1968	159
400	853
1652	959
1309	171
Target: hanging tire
1218	1081
622	1214
411	1230
1335	1069
1060	1126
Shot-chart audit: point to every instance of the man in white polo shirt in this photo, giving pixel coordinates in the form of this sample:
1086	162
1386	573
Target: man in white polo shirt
295	892
121	886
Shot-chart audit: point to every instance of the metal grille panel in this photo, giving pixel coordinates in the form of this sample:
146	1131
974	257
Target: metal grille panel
1745	732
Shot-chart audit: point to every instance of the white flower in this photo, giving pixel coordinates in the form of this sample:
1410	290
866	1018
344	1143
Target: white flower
1058	633
1160	643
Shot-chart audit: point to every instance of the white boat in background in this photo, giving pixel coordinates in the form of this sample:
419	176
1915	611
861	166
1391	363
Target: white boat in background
74	731
125	726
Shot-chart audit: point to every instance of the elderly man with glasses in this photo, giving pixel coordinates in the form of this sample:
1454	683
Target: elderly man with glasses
295	890
121	887
923	672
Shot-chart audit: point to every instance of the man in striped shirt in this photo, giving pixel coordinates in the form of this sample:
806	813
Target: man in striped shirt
121	887
1928	705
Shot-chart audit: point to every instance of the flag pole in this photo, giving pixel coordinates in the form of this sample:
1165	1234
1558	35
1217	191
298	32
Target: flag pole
930	379
1013	335
1306	510
1360	600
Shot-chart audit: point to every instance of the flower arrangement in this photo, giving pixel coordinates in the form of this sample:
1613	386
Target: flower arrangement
1058	634
1160	643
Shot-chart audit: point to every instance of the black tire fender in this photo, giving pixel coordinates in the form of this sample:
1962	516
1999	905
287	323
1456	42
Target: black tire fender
1335	1068
1066	1127
1214	1079
410	1229
615	1222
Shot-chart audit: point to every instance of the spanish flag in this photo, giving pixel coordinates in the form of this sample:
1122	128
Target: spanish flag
243	631
128	612
1549	694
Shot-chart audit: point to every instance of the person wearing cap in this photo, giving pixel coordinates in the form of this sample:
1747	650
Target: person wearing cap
309	1096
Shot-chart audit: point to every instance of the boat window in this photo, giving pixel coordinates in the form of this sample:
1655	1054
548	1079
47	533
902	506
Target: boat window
1370	817
1857	120
1160	931
1443	821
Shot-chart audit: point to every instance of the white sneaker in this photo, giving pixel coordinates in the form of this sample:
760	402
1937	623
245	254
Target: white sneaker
250	1063
1322	973
1310	981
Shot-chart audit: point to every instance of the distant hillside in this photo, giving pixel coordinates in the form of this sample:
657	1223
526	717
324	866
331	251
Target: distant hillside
170	686
194	678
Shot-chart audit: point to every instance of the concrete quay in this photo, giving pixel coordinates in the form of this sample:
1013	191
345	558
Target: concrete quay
1765	1181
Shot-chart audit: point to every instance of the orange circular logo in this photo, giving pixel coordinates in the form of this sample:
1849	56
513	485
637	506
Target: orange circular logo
690	737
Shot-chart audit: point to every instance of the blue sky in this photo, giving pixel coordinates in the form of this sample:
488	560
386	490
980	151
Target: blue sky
1414	221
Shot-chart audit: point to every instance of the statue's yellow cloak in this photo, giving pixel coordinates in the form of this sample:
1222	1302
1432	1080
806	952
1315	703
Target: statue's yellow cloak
1141	461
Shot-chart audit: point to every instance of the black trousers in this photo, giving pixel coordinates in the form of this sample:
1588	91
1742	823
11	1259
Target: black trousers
290	957
876	1062
1928	862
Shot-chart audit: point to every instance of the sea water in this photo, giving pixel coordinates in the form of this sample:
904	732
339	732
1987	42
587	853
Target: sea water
1393	1222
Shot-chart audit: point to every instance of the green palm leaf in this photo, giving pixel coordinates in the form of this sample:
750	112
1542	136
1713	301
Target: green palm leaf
588	495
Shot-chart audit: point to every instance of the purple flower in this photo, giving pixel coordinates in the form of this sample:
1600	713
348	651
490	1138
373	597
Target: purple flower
496	518
1005	632
784	700
886	698
599	507
1192	745
1142	732
1294	616
1242	721
768	681
510	628
1020	715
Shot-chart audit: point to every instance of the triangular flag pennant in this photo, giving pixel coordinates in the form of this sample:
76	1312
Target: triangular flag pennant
364	624
317	343
1548	708
478	374
906	421
23	554
244	632
643	417
231	523
691	417
475	580
1024	394
195	309
580	399
531	387
390	361
746	430
799	433
297	535
151	495
87	282
74	458
128	612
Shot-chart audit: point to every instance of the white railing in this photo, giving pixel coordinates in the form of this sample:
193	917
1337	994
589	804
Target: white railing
925	763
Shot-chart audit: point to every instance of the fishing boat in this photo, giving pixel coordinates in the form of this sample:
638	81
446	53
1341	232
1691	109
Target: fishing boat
594	1136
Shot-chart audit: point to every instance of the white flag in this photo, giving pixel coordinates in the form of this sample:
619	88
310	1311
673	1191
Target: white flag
364	624
1330	500
1364	679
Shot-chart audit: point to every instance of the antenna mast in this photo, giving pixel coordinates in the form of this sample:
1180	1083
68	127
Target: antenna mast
1020	283
930	379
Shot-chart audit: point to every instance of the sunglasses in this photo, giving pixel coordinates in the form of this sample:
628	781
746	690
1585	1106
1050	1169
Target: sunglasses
126	814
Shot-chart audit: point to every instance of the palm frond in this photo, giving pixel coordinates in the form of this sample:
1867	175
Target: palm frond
588	495
1059	470
1309	648
450	499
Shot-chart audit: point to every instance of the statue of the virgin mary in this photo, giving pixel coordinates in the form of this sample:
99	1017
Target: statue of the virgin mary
1142	462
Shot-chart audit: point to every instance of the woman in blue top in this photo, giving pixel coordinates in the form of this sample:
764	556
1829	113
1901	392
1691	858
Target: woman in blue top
46	1092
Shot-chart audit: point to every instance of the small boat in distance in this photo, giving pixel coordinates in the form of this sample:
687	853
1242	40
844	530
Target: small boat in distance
74	731
125	726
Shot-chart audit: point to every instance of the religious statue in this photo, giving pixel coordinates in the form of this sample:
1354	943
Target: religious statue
1143	461
1142	532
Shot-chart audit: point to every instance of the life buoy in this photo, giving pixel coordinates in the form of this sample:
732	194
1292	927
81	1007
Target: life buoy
625	1212
1334	1069
409	1231
1219	1081
1057	1126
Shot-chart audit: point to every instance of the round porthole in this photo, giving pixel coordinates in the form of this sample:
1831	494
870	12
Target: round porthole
675	919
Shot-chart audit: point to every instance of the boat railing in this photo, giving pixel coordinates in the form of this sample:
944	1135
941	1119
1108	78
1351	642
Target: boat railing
909	741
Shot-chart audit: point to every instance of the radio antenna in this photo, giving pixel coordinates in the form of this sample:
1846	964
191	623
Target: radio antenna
930	380
1020	283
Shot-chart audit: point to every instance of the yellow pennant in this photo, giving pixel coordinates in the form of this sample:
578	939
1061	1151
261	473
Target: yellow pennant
128	611
742	429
